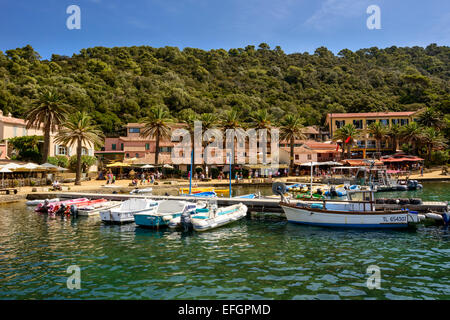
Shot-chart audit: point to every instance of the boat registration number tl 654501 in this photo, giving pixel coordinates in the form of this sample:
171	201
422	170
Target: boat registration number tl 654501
395	219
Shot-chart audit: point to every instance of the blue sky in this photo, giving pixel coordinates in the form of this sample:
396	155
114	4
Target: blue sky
295	25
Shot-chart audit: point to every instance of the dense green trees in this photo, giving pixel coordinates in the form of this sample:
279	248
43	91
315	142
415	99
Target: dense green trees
117	85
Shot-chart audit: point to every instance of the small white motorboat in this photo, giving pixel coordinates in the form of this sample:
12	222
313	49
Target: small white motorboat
36	202
166	211
127	209
140	191
217	217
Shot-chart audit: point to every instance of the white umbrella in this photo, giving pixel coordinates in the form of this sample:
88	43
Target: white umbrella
12	165
168	166
3	171
147	166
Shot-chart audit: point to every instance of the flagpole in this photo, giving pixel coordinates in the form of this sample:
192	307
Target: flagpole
190	175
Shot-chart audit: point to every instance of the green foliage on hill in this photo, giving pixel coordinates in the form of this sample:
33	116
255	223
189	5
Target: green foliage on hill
119	85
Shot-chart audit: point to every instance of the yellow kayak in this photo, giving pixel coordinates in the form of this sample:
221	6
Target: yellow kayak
196	190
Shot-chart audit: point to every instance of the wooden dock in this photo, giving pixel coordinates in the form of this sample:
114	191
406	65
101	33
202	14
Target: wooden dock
254	205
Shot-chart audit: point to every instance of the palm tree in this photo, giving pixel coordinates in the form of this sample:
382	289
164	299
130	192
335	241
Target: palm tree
430	118
79	129
262	119
347	134
156	126
291	128
231	120
48	112
379	132
394	134
411	133
209	121
432	139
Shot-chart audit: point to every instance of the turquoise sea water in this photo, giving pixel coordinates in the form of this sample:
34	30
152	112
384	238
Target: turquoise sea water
250	259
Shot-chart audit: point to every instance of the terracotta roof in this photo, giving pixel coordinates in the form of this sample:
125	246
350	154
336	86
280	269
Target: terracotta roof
12	120
311	130
371	114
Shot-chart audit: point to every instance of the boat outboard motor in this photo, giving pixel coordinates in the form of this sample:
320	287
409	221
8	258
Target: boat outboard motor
74	211
185	220
333	192
44	207
61	210
279	188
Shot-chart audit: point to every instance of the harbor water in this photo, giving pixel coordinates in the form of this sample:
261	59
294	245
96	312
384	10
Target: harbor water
249	259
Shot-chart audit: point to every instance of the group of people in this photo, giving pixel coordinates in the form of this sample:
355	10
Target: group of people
110	177
146	178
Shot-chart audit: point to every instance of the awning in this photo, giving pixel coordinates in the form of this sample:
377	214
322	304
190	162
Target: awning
413	159
117	165
267	166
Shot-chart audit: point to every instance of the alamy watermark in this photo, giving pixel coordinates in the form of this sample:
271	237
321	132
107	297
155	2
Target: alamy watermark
74	20
374	20
374	280
241	146
74	280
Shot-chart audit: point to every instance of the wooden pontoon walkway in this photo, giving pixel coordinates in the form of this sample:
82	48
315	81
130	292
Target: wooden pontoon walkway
254	205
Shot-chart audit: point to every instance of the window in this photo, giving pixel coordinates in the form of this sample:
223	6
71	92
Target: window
137	155
113	146
340	123
15	131
385	122
371	144
147	146
395	121
127	155
121	146
62	151
369	122
296	157
165	149
358	124
404	122
84	151
361	143
24	131
134	130
309	157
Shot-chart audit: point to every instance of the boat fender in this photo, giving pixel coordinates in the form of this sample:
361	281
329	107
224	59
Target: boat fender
434	216
167	218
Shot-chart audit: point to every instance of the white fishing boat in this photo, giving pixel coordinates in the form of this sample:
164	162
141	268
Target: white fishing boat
127	209
36	202
346	213
93	210
217	217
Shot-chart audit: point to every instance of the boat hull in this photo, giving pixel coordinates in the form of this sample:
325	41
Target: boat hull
368	220
154	221
232	214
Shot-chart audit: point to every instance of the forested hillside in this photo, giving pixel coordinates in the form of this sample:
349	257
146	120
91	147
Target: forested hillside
118	85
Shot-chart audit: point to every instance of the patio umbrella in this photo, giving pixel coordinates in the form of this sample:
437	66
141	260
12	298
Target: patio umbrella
147	166
3	171
168	166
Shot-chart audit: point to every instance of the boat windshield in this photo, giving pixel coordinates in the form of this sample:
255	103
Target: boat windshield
360	195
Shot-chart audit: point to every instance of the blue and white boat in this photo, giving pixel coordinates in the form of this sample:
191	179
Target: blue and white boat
166	210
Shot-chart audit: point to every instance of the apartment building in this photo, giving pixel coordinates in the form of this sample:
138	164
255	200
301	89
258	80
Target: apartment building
366	144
